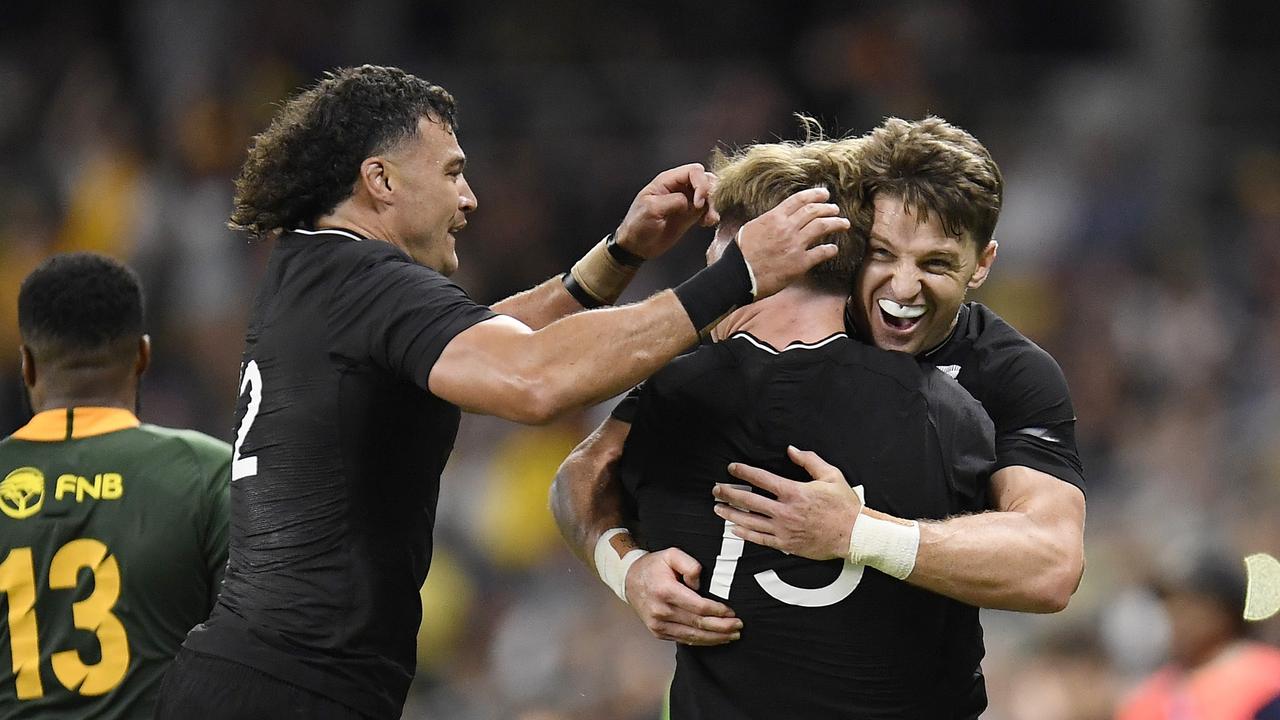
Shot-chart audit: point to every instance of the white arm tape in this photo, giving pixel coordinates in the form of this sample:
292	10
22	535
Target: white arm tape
886	546
611	568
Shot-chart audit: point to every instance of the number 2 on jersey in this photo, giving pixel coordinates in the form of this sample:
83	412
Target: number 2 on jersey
731	549
18	581
251	379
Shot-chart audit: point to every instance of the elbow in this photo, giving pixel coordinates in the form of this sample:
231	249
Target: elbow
535	408
1054	590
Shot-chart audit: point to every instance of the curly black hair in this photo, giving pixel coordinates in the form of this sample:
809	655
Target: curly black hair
307	161
79	306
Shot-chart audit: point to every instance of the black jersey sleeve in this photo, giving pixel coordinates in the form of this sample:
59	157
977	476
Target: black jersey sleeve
401	315
966	439
625	410
1035	420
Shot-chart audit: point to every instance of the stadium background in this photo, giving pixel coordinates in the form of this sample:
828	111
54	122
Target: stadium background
1140	244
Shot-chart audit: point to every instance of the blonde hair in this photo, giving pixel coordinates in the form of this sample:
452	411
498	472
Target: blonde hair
754	179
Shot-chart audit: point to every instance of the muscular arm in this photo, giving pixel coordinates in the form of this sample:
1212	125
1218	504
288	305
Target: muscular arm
586	500
586	497
540	305
502	367
1027	554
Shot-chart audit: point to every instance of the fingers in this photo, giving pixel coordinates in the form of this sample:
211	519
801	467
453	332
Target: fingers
746	500
817	468
679	179
690	636
762	479
805	197
758	538
742	518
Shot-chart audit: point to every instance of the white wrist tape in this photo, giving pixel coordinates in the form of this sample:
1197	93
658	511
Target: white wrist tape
612	568
886	546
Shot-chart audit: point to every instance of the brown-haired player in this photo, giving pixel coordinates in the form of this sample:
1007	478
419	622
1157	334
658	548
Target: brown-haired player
930	196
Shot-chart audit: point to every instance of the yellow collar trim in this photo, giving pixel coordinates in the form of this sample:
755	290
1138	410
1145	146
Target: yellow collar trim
75	423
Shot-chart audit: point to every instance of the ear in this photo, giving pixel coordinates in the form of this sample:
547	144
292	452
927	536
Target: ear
144	356
376	179
986	259
28	366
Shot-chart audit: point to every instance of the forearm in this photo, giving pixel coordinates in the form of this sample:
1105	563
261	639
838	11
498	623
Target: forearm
616	349
586	497
541	305
1002	560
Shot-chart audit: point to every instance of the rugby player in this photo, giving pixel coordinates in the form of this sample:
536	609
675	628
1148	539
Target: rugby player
113	534
822	639
360	353
931	195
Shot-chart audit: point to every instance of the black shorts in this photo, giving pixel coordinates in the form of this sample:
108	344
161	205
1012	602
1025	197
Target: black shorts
213	688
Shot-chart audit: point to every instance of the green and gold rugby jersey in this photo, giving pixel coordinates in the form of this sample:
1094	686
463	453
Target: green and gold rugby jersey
112	546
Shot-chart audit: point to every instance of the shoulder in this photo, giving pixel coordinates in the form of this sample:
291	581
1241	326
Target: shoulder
204	450
685	371
1010	367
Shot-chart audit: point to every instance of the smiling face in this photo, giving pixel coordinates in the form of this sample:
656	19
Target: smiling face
914	278
432	197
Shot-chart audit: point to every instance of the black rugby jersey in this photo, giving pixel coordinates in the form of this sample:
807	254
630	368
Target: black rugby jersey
336	469
820	639
1020	386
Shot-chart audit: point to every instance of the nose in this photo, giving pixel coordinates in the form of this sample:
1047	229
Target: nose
466	198
906	282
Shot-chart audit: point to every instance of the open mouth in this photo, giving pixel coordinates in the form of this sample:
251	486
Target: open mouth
900	317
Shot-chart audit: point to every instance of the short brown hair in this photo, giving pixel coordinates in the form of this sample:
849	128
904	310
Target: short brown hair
938	168
754	179
309	158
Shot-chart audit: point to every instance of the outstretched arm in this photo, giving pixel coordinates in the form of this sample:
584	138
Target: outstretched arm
501	367
586	500
1027	554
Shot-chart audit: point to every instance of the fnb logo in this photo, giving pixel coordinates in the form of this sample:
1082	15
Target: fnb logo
104	486
22	493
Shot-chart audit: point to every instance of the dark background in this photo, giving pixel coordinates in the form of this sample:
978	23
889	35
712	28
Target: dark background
1140	244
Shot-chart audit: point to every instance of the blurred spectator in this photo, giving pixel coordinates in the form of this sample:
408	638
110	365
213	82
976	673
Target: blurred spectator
1215	672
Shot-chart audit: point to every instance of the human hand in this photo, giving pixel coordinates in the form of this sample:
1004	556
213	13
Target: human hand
810	519
666	208
779	245
673	610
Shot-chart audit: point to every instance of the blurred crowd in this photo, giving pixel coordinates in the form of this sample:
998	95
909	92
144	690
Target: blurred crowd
1140	245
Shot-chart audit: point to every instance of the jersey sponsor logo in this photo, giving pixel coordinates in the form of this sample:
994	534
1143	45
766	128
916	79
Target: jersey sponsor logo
1039	432
22	493
952	370
104	486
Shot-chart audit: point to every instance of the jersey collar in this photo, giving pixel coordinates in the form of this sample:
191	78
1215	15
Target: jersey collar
74	423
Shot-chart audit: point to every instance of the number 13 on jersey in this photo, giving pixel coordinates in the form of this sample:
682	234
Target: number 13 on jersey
18	582
731	549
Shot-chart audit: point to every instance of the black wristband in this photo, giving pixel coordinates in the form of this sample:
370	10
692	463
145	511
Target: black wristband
717	288
621	254
579	293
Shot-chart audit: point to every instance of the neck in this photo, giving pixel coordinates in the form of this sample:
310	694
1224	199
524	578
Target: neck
794	314
348	215
84	388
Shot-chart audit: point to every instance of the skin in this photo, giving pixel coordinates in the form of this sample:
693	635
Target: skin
915	263
52	384
514	366
1026	554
